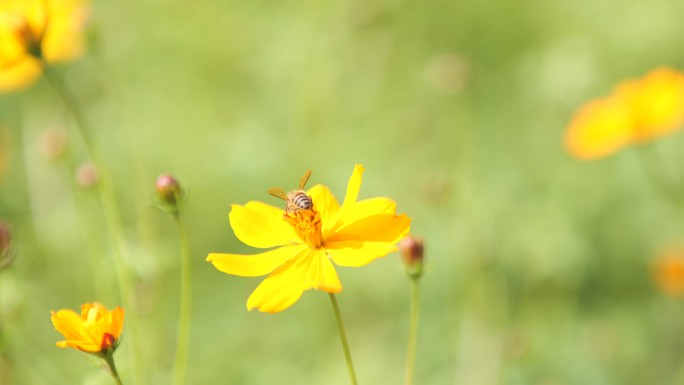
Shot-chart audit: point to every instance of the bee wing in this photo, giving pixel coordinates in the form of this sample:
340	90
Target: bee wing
278	193
305	178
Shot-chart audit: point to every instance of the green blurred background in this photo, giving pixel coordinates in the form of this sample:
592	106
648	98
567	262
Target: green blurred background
539	264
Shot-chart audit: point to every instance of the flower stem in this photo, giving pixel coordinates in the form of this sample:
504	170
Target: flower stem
413	331
109	208
343	338
657	170
185	311
109	360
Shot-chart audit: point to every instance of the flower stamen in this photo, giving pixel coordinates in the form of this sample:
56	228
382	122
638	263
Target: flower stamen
307	224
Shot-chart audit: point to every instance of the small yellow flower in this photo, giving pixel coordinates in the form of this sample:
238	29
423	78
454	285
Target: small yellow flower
638	110
668	273
656	102
96	330
305	241
35	30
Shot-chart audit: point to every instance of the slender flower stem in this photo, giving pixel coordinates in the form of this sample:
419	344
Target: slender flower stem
109	208
343	338
653	167
109	360
413	331
185	311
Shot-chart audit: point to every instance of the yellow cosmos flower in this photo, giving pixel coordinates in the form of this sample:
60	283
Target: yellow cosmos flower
95	330
35	30
668	272
307	240
656	102
638	110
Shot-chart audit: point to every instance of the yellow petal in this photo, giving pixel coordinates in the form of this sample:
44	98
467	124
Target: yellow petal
357	253
117	322
63	39
260	225
257	264
656	102
19	74
350	198
600	128
321	274
280	290
68	323
375	228
62	44
86	346
327	206
367	207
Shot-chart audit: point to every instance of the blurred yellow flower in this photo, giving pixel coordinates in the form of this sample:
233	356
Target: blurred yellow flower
32	31
96	330
668	273
638	110
305	241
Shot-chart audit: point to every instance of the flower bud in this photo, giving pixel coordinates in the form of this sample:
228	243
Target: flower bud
86	175
169	193
52	143
168	189
412	254
6	255
668	273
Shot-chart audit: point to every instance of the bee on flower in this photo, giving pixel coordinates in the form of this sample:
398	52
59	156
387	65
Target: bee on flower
313	232
35	33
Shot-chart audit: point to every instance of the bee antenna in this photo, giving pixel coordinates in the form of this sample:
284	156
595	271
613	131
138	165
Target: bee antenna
305	178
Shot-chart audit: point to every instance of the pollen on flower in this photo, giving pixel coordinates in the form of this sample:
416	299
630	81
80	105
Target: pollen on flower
307	224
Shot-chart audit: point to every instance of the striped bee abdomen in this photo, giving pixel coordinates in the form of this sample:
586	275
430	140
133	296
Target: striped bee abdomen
298	200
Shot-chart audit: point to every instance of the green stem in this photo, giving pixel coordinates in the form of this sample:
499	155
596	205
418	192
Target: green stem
413	331
109	208
109	360
185	311
343	338
668	186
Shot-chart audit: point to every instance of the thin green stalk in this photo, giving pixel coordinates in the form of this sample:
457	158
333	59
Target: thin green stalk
343	338
413	331
668	186
185	311
110	212
109	360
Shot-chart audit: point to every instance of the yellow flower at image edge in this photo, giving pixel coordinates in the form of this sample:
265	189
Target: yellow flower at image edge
308	241
636	111
35	30
95	330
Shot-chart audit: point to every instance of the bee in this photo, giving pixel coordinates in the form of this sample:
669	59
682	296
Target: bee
297	199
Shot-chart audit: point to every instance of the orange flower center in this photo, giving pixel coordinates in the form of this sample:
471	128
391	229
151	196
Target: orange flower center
307	224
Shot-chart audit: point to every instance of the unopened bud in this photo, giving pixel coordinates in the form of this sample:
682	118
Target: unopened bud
169	192
412	253
53	142
86	175
6	255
